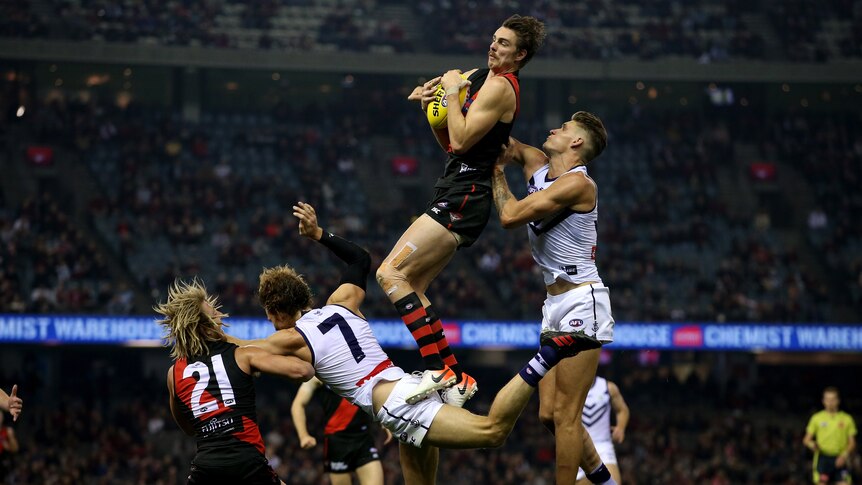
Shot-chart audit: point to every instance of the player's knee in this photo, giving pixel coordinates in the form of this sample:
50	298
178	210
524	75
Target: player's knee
388	275
547	419
380	274
566	414
567	424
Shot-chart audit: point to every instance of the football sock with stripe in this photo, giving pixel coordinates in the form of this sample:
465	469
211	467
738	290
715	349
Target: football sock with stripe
440	339
413	314
601	476
539	365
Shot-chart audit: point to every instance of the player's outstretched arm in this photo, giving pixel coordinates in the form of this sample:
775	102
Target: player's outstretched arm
351	290
529	158
281	342
289	367
297	412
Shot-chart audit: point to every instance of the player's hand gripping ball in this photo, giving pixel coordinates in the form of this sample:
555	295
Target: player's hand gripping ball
438	111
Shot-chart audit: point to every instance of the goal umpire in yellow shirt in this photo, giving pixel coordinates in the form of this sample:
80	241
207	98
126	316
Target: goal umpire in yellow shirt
831	435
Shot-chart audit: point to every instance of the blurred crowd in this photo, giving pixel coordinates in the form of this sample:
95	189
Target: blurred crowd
211	198
687	426
48	264
833	145
707	30
597	30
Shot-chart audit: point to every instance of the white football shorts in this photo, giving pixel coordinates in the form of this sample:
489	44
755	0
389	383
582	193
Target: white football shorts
586	309
409	423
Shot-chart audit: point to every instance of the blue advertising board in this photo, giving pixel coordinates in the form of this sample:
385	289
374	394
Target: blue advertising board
808	337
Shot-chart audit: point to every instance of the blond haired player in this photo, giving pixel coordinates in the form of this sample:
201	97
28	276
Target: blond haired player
461	205
561	213
831	435
211	388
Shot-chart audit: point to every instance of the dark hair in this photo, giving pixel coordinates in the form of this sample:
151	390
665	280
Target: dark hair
283	290
531	34
832	389
598	134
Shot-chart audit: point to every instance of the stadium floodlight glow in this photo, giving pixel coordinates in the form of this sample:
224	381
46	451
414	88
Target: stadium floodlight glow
20	111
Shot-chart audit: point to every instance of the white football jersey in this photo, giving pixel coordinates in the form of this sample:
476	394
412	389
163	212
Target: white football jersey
564	243
344	351
597	411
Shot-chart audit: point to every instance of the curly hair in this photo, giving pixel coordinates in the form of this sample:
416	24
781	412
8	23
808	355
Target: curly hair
531	34
283	290
187	326
596	129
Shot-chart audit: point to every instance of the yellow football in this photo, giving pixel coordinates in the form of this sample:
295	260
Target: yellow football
437	110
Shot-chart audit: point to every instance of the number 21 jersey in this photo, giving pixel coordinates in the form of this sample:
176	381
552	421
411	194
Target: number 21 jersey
218	399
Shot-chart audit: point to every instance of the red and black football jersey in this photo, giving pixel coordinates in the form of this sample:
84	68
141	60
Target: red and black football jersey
341	415
218	399
474	167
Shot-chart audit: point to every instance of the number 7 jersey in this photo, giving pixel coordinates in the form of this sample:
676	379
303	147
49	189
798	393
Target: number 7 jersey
345	354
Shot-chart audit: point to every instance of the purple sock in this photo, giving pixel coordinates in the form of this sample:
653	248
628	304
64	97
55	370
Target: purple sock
539	365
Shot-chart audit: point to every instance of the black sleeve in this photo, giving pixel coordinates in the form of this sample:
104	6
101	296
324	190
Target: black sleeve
358	260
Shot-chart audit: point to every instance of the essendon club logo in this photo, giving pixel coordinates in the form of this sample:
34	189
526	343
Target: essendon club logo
593	253
690	336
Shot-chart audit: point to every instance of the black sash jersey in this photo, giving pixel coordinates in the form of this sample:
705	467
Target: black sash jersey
218	399
341	415
475	166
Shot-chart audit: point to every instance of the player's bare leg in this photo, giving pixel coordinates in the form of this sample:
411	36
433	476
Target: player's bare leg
370	473
590	459
340	479
419	465
573	380
424	249
454	427
420	254
547	388
465	386
615	473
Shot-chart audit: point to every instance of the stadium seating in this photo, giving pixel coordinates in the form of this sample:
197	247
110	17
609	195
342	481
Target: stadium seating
707	30
212	199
